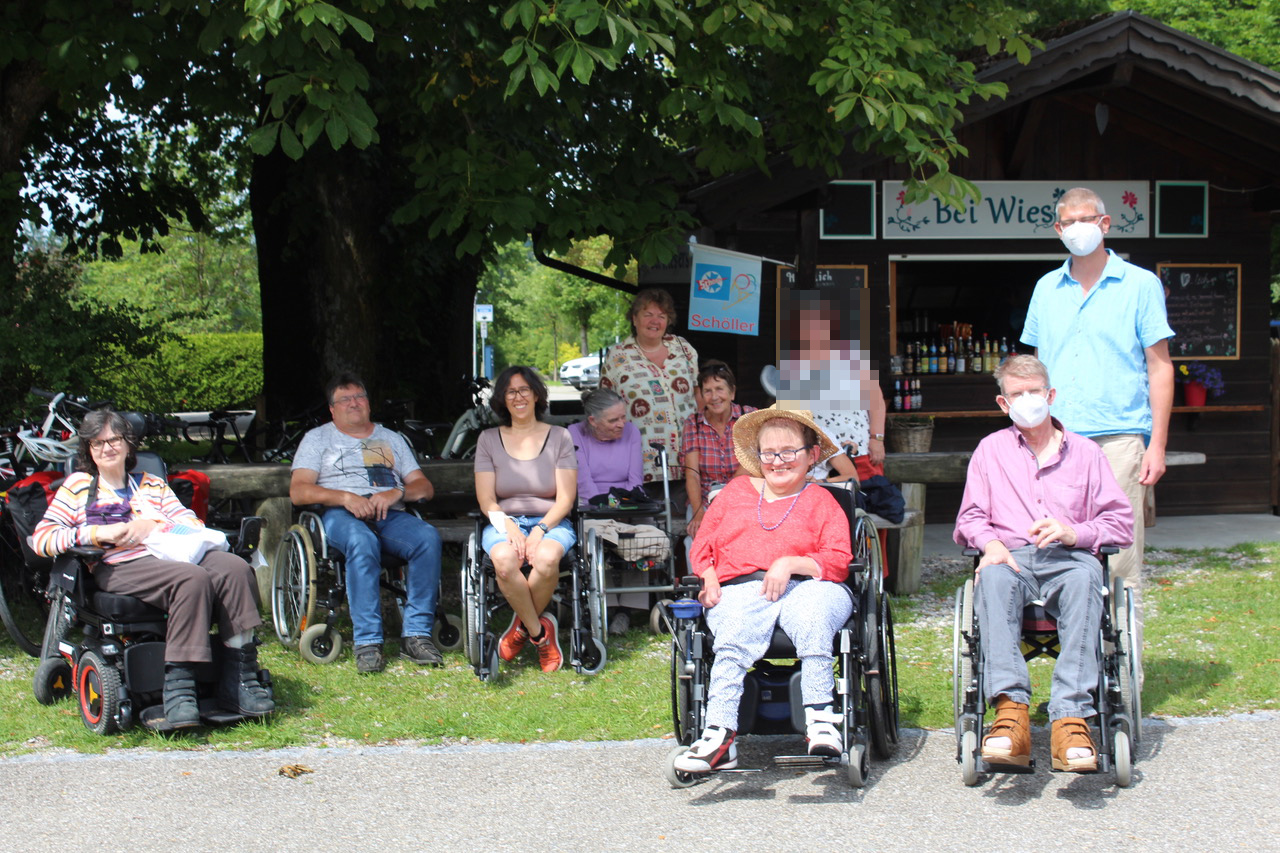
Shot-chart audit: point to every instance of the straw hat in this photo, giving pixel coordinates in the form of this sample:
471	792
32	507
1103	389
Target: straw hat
746	435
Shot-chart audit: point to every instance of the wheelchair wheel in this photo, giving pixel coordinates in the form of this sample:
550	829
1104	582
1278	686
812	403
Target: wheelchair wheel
677	778
52	681
446	634
597	607
969	758
889	675
657	616
473	606
293	585
1130	656
1122	759
320	643
489	646
961	661
98	686
874	681
858	766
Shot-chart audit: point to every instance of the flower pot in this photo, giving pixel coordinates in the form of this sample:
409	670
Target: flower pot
1194	393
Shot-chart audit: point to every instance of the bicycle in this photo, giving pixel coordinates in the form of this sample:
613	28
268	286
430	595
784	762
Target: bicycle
461	443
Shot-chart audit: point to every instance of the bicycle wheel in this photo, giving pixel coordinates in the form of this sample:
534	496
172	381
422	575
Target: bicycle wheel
23	607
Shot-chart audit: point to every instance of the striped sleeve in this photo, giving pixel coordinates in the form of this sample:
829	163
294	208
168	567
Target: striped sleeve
63	525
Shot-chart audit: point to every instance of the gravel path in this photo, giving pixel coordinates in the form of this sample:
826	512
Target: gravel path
1200	785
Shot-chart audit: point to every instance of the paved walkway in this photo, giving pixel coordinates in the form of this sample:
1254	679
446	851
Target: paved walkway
1200	785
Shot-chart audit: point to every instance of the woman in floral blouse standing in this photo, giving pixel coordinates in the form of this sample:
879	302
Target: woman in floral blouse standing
653	371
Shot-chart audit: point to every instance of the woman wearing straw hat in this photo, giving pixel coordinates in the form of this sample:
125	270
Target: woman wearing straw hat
773	550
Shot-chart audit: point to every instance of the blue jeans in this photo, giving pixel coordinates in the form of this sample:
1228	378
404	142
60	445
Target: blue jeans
362	543
1069	582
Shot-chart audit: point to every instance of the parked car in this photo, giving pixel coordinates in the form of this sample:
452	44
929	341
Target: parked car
571	372
590	376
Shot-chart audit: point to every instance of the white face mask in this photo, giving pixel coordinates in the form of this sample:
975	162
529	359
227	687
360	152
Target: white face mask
1081	238
1029	410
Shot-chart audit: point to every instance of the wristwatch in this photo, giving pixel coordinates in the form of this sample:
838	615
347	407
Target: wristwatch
878	436
542	525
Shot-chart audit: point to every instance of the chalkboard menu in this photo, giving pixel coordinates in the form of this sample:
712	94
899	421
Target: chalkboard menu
1204	309
849	278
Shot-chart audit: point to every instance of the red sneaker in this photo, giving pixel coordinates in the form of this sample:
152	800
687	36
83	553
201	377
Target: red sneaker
549	656
513	640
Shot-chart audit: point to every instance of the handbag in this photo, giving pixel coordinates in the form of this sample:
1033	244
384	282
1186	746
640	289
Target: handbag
184	544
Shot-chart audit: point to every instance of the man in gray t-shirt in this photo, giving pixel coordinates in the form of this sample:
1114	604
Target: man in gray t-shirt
362	474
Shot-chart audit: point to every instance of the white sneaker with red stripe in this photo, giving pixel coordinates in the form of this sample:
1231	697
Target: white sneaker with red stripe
715	750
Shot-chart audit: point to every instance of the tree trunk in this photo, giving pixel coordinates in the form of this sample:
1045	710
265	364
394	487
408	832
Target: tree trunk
345	289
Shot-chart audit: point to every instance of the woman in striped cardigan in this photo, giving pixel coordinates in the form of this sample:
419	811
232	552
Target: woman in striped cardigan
105	506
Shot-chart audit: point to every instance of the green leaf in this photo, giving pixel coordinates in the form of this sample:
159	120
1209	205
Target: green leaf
582	67
289	143
263	139
336	129
361	27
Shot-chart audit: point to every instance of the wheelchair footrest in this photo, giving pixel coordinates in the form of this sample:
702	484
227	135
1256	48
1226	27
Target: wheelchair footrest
805	762
210	715
984	767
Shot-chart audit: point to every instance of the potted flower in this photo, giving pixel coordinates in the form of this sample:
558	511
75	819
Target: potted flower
1198	380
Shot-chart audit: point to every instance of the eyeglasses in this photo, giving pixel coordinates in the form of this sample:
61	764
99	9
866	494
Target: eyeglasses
1039	392
524	393
1067	223
113	442
350	398
769	456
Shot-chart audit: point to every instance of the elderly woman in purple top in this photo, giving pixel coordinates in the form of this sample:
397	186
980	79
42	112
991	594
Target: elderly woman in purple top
609	456
608	446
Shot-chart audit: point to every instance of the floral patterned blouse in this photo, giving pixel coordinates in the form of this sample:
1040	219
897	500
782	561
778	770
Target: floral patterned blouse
658	398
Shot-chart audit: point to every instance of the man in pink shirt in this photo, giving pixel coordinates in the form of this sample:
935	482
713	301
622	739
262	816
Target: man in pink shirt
1038	503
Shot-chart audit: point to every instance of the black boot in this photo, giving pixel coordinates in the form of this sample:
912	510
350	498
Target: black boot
180	708
239	689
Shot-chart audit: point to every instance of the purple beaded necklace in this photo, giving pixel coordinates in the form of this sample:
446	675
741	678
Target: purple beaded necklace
785	515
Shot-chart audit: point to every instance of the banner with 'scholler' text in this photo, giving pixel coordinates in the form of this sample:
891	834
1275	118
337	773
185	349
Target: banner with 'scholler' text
724	292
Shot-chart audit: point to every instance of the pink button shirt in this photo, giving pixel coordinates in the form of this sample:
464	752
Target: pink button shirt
1006	491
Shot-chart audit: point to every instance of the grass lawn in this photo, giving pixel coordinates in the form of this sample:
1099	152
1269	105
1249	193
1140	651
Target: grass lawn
1212	634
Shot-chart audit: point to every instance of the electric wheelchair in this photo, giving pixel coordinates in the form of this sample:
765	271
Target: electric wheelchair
866	679
579	594
115	666
1117	698
308	589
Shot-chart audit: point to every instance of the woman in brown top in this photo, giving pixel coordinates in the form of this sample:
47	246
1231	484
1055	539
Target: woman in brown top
526	482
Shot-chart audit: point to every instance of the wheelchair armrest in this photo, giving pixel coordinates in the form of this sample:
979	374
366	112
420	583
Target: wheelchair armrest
250	533
1109	550
971	552
88	553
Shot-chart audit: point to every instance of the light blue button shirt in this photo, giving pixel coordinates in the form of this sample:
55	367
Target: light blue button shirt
1094	345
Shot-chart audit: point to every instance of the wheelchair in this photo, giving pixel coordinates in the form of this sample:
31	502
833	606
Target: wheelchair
1117	698
308	589
116	666
866	675
654	555
580	594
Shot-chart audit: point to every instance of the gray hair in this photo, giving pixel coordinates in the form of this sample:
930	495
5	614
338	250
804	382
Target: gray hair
1023	367
94	423
1079	196
595	403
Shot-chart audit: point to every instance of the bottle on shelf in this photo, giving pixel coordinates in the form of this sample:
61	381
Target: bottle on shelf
944	356
975	357
951	356
1004	349
919	398
897	396
909	362
933	356
961	358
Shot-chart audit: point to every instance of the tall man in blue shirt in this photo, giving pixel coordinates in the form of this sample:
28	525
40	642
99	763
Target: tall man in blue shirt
1099	325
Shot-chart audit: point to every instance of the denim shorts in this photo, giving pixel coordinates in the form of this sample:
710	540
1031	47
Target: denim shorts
562	533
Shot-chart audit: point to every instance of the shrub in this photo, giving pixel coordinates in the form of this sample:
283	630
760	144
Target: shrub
193	373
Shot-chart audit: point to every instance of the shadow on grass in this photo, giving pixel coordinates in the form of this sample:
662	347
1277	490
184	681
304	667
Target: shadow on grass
1170	679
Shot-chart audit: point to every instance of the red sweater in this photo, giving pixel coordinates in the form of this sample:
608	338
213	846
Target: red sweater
732	540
